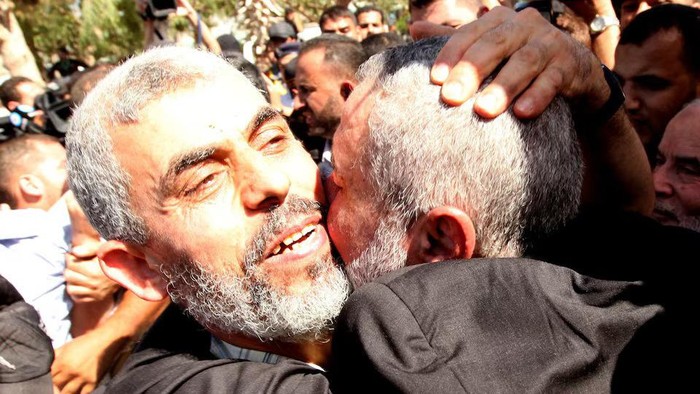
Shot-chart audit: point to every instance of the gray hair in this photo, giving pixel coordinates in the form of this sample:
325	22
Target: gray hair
99	183
516	179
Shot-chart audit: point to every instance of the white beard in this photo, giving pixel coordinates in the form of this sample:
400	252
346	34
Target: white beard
230	303
384	254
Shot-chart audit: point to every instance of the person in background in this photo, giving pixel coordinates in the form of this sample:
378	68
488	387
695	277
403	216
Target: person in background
450	13
677	171
628	9
379	42
325	77
658	64
339	20
370	21
66	65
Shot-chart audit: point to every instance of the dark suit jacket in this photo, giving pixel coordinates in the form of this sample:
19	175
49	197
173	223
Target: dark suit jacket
486	326
174	357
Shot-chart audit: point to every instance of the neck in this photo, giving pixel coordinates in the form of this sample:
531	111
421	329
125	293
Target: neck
308	351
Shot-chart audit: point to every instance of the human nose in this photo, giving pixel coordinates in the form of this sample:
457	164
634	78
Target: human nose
632	102
662	186
297	101
265	186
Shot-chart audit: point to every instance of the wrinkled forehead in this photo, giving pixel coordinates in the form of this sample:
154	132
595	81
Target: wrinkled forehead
230	94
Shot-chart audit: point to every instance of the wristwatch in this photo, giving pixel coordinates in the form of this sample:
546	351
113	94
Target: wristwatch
614	102
602	22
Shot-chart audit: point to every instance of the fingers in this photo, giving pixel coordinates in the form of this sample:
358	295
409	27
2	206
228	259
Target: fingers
477	50
538	62
515	76
85	280
538	96
73	386
462	39
87	250
58	375
87	388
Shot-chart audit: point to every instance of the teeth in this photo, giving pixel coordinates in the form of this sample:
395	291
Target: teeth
308	229
288	242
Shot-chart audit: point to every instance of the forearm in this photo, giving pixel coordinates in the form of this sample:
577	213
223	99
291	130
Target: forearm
148	33
604	44
202	31
132	317
86	316
617	169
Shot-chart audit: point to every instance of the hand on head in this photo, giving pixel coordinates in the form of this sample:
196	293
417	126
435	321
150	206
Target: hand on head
540	64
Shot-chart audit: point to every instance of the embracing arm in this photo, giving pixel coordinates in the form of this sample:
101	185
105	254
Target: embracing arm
81	363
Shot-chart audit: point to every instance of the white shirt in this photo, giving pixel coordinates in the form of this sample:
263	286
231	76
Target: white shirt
33	244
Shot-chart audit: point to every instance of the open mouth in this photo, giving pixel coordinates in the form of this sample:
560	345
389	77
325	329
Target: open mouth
295	241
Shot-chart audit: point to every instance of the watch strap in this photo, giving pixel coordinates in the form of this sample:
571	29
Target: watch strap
615	100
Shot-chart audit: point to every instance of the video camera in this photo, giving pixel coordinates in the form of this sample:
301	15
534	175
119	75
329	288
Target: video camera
49	115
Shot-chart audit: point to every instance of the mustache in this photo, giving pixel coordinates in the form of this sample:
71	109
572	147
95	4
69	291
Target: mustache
664	208
276	221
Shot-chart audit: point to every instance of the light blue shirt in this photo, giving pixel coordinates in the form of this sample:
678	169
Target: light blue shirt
33	244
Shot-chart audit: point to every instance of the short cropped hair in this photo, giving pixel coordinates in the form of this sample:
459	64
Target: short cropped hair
369	8
336	12
685	19
99	183
15	154
8	89
516	178
344	53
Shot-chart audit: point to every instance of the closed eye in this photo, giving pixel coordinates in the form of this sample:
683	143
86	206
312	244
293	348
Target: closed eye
203	185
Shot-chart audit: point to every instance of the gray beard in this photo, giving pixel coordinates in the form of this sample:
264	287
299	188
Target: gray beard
250	304
682	220
384	254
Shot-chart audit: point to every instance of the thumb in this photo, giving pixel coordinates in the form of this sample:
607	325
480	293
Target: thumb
85	250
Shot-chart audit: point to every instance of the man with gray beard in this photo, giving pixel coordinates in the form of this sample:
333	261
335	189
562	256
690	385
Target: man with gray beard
224	216
677	171
251	303
483	319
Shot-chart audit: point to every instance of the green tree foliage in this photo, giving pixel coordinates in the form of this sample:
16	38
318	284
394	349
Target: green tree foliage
47	24
110	29
103	29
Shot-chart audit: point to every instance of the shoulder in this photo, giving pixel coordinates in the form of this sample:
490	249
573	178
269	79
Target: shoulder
158	371
452	281
174	357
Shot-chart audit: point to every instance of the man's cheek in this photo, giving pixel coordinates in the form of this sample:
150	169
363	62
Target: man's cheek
334	227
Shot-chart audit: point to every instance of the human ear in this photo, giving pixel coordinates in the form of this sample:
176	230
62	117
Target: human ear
31	187
444	233
127	266
345	89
